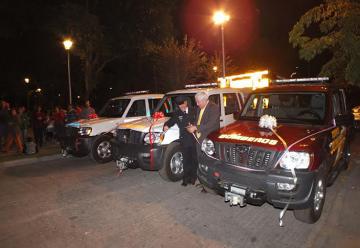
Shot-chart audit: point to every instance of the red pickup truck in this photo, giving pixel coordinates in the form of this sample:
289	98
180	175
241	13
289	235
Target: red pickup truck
289	143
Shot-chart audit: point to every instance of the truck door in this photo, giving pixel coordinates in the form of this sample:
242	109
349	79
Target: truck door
339	133
230	103
136	111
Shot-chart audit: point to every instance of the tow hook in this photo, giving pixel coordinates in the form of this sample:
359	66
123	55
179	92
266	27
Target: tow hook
235	199
123	163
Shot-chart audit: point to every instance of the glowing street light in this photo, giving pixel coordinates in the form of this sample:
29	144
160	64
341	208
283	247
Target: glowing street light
27	80
220	18
67	45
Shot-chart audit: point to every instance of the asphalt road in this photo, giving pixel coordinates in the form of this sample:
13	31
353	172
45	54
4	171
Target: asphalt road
77	203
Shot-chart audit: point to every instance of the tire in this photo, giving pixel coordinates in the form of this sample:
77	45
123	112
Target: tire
101	149
312	214
172	169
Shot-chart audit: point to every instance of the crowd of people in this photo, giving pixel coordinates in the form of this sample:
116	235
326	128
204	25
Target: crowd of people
19	126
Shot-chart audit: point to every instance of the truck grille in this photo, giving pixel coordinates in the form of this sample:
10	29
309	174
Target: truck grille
129	136
72	131
245	155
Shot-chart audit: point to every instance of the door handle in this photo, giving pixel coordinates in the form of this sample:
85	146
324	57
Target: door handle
221	120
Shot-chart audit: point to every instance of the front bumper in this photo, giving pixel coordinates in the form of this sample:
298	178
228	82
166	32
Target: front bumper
145	157
78	146
260	186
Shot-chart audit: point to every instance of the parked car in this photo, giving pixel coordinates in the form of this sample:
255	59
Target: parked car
132	146
290	143
92	137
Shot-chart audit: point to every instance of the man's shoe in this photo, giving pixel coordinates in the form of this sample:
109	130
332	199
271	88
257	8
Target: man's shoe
193	181
184	184
203	190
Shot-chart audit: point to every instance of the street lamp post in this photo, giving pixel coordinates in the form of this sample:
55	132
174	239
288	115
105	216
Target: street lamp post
68	44
220	18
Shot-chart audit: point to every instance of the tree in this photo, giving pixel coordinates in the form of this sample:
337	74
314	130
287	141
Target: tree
91	43
338	23
214	70
178	63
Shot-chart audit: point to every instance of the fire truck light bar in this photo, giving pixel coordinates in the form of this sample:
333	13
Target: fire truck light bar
137	92
290	80
201	85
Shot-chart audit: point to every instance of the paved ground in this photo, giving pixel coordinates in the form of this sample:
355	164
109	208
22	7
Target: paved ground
76	203
14	158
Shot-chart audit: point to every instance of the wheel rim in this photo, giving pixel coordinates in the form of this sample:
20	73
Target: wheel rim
176	163
319	195
103	149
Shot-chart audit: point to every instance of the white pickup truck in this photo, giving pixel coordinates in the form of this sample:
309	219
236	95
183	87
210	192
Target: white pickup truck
93	136
131	146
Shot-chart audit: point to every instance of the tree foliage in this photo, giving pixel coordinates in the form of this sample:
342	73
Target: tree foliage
91	43
216	61
178	63
333	28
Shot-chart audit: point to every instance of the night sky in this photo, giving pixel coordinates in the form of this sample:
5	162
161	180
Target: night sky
255	38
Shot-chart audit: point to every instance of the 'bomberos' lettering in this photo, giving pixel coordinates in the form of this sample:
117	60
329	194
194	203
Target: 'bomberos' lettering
249	139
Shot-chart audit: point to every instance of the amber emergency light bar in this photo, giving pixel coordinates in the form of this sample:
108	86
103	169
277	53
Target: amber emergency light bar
252	80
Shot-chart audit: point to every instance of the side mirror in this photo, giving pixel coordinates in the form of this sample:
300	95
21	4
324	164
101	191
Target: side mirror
236	115
344	120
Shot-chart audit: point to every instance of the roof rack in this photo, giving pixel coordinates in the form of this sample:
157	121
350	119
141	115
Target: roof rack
137	92
301	80
201	85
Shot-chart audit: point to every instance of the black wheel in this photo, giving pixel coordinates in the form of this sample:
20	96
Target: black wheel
101	149
313	213
172	169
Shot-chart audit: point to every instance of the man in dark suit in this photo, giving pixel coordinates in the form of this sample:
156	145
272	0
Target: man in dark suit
207	117
183	117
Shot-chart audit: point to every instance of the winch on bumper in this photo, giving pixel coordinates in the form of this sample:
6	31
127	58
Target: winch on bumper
147	157
241	186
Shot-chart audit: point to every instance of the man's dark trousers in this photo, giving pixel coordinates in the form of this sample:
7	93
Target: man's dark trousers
190	164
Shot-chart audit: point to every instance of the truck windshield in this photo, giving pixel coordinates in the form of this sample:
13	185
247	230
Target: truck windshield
307	107
167	105
114	108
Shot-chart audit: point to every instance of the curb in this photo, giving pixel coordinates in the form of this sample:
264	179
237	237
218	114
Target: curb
29	160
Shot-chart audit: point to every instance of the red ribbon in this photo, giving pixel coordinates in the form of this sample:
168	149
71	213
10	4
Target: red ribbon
156	116
92	116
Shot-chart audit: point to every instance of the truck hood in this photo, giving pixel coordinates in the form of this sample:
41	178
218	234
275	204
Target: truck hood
98	125
144	124
92	122
249	132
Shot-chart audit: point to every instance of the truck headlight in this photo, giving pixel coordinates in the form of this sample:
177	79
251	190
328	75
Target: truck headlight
85	131
295	160
155	138
208	147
